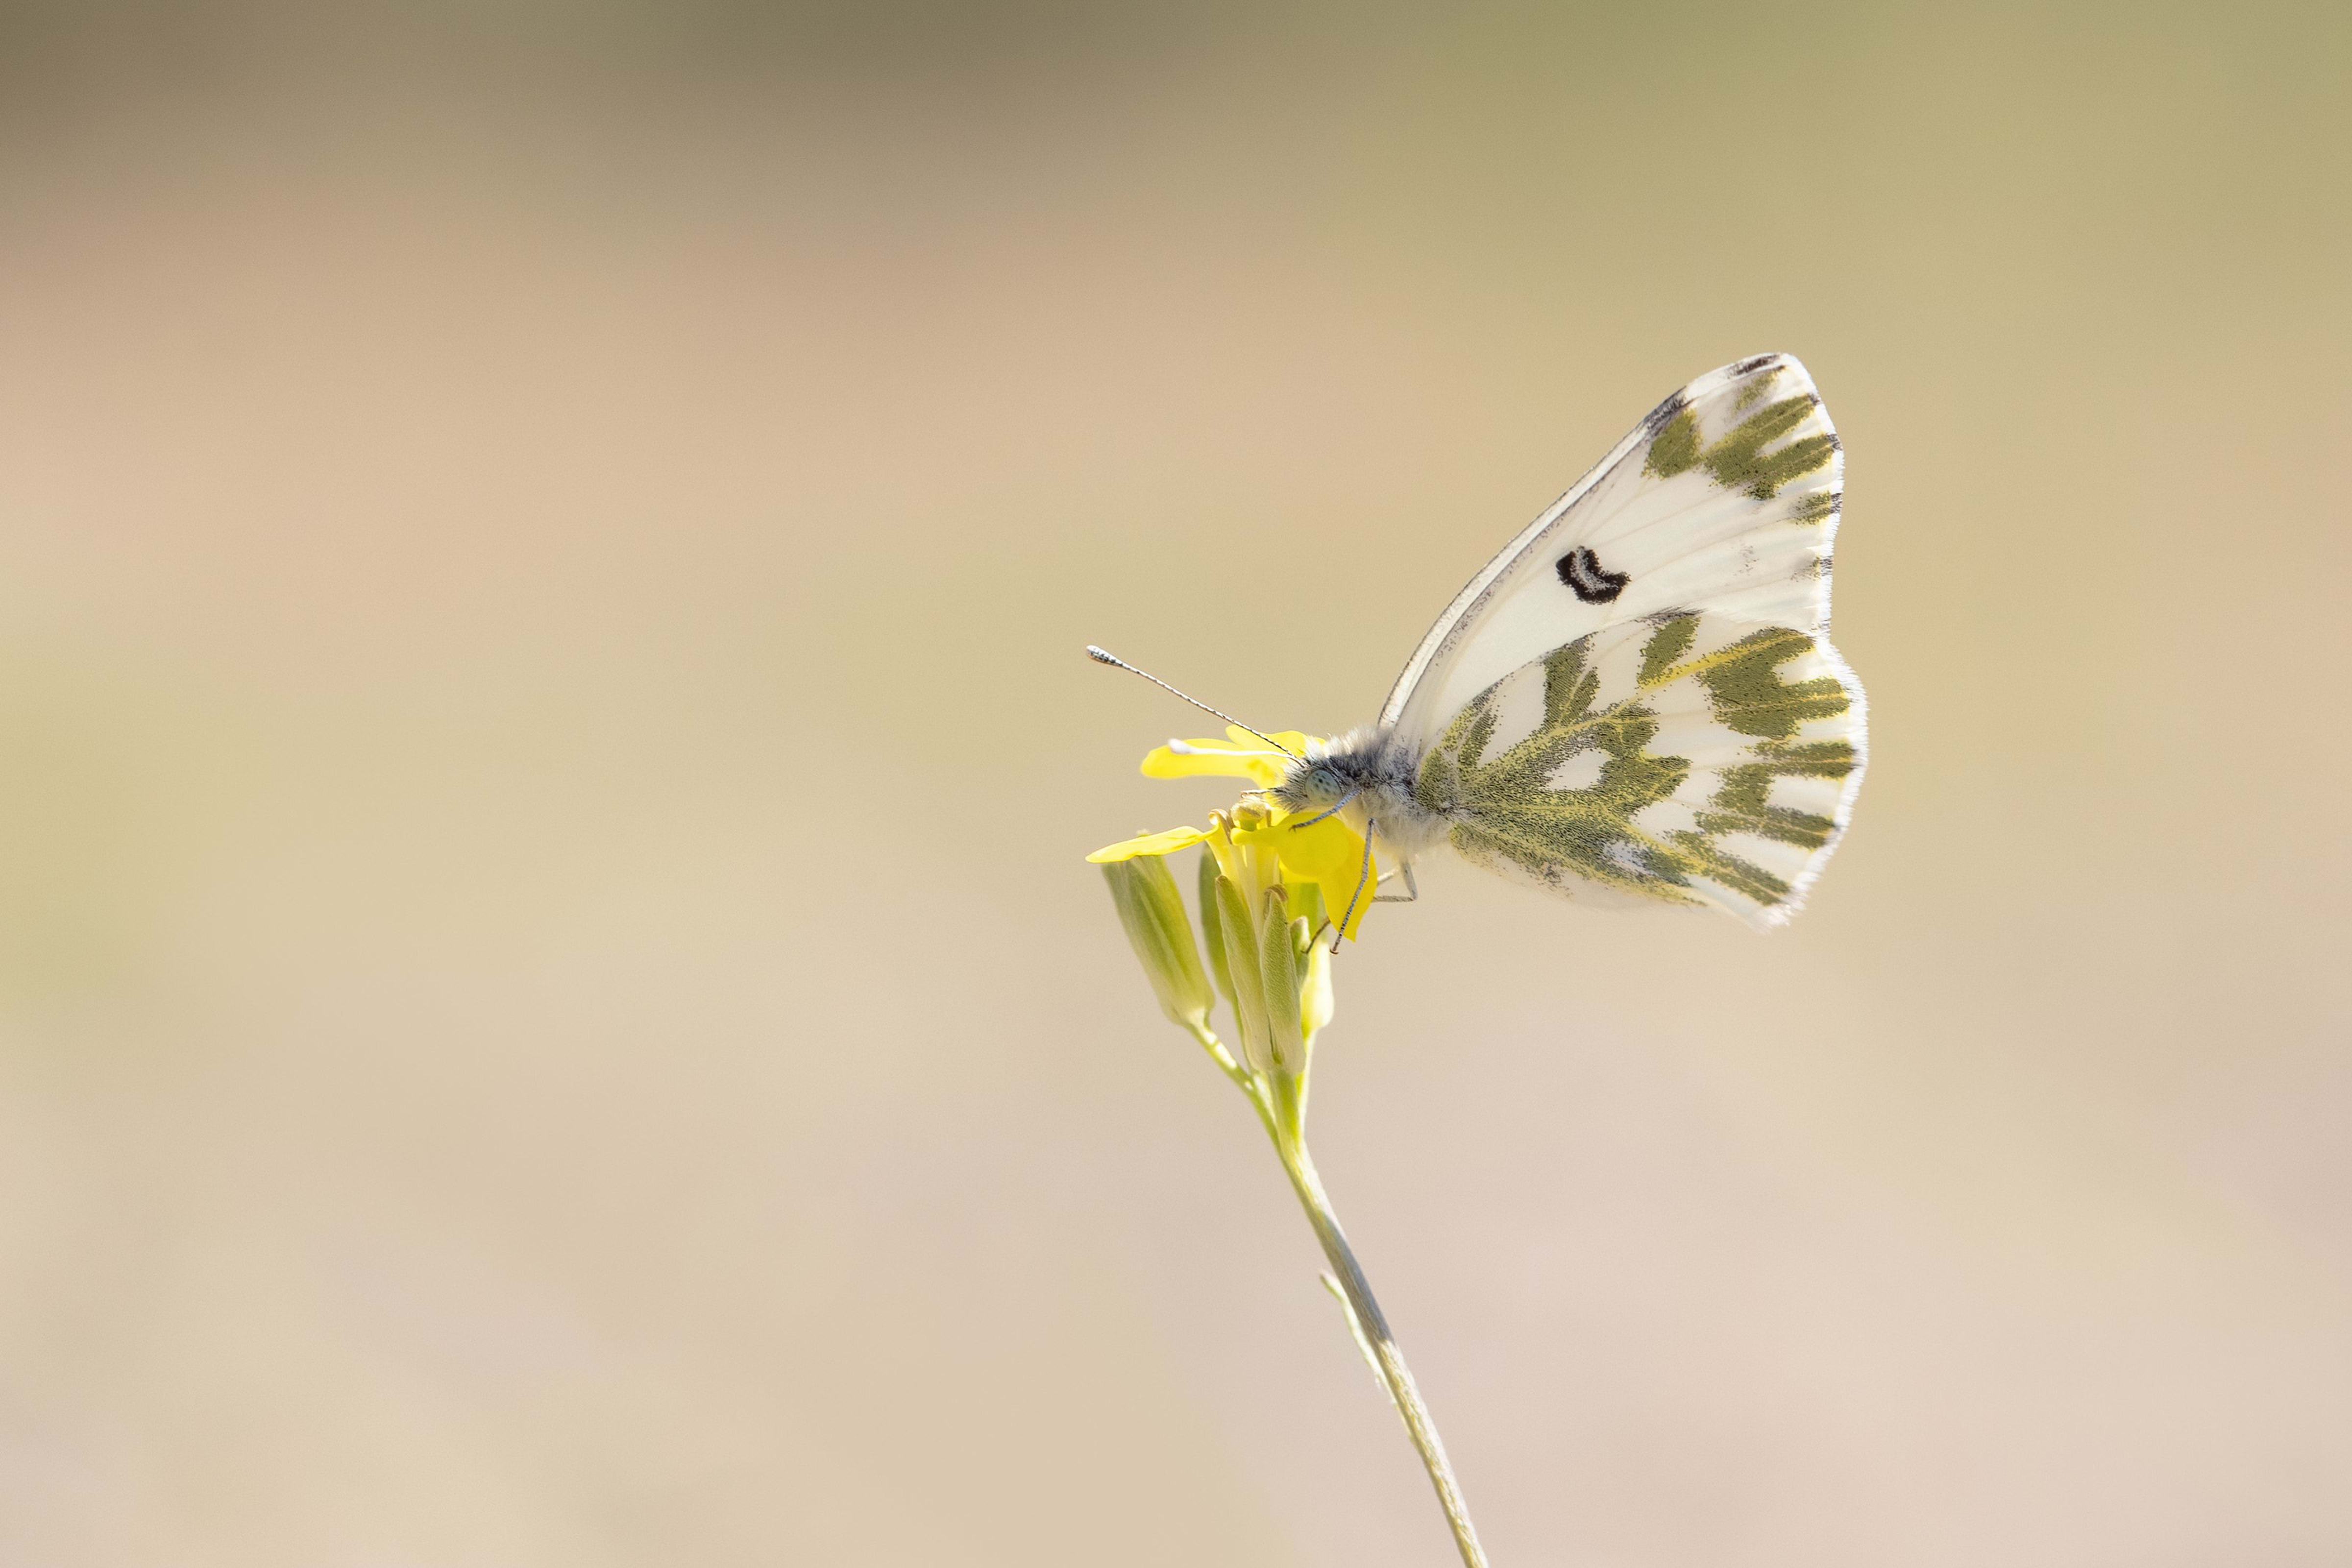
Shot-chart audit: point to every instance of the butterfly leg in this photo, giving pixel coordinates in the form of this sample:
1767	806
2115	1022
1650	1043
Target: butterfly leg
1411	894
1333	811
1361	877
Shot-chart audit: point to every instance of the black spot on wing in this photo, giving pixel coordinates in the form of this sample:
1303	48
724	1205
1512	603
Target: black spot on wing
1582	570
1749	366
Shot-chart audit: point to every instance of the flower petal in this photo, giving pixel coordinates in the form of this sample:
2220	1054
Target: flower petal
1334	857
1242	756
1205	758
1162	844
1328	853
1294	740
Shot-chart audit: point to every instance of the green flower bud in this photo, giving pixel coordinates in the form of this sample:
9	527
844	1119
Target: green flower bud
1278	961
1306	904
1152	911
1246	965
1212	930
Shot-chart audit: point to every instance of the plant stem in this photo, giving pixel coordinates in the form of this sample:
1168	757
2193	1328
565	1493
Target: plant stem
1282	1109
1374	1328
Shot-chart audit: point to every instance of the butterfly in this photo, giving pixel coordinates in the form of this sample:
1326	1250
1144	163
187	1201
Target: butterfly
1637	700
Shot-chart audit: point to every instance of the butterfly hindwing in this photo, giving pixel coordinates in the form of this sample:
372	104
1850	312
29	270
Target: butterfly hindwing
1692	758
1725	499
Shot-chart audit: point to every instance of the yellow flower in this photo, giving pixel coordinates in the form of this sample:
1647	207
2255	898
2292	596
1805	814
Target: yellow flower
1258	846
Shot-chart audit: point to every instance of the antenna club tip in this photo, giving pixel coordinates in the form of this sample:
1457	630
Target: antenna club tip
1100	656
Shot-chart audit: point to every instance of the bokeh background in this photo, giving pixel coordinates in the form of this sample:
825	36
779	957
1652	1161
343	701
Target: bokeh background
551	1012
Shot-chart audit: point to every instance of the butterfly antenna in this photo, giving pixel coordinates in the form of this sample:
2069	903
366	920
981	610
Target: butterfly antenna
1101	657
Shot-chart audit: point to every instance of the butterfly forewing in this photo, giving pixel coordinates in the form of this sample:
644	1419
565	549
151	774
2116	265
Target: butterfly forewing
1693	758
1725	499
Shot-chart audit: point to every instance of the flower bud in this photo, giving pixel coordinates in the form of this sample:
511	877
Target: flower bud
1212	929
1306	904
1278	962
1153	911
1247	964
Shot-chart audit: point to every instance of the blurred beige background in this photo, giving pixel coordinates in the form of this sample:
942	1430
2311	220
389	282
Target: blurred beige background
550	1008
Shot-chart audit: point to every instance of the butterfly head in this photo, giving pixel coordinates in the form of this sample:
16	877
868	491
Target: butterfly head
1313	784
1362	766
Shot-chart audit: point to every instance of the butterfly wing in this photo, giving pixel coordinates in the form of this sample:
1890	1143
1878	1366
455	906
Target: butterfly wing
1691	758
1724	500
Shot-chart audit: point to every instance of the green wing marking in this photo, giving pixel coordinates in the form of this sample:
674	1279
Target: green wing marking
1744	681
1737	459
1735	709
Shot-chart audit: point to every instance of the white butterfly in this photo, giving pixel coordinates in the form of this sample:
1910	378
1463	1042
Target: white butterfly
1637	698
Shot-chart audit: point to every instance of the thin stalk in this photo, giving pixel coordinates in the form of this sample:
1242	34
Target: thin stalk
1240	1075
1372	1324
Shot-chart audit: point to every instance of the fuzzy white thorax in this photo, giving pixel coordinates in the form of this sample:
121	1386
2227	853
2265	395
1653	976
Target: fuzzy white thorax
1369	774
